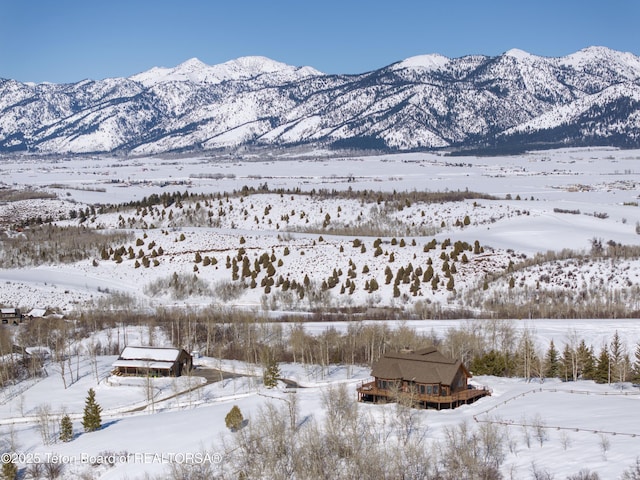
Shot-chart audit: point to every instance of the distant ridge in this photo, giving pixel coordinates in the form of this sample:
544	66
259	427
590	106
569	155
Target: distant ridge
478	103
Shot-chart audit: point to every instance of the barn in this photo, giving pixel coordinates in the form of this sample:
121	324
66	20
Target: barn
153	361
36	313
425	378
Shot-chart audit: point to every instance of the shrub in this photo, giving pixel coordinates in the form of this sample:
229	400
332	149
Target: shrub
633	472
234	419
228	291
179	286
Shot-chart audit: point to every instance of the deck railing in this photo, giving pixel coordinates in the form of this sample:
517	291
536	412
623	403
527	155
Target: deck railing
370	388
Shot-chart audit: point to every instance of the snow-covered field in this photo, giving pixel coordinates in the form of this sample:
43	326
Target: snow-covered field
586	425
533	194
560	428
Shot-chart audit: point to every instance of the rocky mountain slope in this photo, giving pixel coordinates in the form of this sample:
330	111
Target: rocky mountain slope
515	100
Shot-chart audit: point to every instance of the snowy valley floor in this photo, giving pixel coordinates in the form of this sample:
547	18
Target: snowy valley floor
552	426
542	201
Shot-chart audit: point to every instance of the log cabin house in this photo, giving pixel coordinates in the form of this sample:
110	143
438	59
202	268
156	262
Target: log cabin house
426	378
153	361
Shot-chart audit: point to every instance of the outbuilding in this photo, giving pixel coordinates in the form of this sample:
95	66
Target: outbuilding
10	314
153	361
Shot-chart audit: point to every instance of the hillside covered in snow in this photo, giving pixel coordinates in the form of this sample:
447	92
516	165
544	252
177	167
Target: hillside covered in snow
544	234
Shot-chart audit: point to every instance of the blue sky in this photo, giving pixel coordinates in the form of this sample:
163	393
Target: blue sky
70	40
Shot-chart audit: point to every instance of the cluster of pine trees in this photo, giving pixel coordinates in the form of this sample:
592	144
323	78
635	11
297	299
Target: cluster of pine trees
577	361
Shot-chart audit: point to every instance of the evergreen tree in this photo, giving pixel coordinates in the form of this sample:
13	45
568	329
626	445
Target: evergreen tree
66	429
91	420
246	267
9	470
602	373
388	275
234	419
450	284
635	368
552	362
271	270
618	359
586	361
491	363
271	374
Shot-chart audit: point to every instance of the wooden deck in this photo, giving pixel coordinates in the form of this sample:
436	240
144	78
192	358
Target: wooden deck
369	392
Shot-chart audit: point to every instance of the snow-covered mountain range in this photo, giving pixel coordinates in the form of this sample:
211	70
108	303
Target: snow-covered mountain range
515	100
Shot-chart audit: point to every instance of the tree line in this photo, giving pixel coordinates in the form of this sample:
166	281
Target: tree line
486	347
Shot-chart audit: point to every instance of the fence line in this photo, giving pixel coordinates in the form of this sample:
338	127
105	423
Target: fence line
511	423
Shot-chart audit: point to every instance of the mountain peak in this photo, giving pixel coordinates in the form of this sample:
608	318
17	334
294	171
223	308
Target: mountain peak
243	68
627	63
423	62
518	54
191	64
257	64
189	70
252	66
587	55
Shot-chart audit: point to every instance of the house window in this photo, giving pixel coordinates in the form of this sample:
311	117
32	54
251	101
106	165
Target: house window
429	389
435	390
422	389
